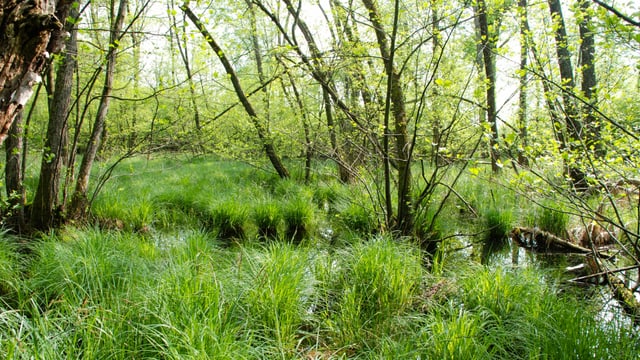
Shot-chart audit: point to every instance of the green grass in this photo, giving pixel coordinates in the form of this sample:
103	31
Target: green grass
553	221
268	218
178	291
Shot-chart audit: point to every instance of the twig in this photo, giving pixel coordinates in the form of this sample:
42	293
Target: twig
606	272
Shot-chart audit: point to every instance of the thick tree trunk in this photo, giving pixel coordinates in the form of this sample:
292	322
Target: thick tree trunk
395	103
31	31
45	210
79	200
263	134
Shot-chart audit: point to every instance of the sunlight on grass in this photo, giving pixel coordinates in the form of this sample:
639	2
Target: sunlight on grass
181	271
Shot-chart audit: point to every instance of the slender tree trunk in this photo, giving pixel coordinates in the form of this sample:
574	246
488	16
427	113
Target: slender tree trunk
488	48
549	96
263	134
437	49
297	99
181	42
13	176
46	208
345	172
522	103
29	35
573	121
79	200
396	105
589	80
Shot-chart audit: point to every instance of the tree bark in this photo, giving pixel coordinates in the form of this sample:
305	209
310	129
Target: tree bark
522	100
31	31
45	210
17	197
589	80
488	47
79	201
263	134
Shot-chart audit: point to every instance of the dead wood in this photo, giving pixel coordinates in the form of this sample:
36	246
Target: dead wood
625	298
539	240
601	273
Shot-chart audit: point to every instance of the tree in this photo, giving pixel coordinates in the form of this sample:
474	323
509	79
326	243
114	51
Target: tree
46	208
488	46
589	82
524	78
79	200
395	103
32	31
263	134
573	123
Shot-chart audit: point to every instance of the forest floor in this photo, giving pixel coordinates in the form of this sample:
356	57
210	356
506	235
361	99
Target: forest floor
208	259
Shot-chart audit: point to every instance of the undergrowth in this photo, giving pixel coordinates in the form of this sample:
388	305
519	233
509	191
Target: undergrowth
166	284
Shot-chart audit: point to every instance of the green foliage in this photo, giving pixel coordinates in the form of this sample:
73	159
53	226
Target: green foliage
497	224
358	218
10	265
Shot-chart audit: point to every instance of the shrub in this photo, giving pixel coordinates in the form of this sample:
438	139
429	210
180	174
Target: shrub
377	283
277	297
497	224
10	266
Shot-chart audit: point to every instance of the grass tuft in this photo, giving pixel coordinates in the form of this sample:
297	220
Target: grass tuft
229	219
553	221
298	218
267	216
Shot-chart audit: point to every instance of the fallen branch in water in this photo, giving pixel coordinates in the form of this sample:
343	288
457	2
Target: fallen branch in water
543	241
606	272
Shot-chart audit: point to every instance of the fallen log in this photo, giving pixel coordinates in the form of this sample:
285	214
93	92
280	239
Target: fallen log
540	240
625	297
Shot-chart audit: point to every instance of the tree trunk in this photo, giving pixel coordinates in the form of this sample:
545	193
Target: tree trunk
79	200
45	211
181	42
263	134
589	81
13	176
573	122
345	172
396	105
522	103
30	33
488	47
